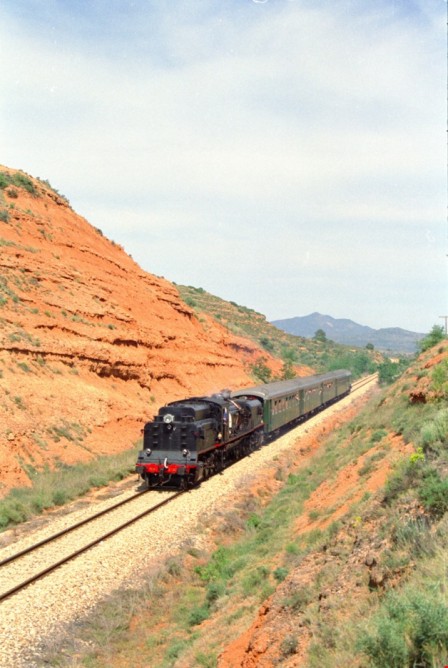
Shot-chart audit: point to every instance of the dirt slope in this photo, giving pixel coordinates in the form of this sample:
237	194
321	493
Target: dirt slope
90	344
365	557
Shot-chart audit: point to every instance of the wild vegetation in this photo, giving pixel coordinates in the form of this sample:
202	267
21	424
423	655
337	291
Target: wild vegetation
319	353
63	484
366	587
9	181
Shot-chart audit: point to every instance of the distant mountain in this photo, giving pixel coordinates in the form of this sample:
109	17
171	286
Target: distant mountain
341	330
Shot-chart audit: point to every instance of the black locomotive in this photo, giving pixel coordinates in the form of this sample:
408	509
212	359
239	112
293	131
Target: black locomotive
191	439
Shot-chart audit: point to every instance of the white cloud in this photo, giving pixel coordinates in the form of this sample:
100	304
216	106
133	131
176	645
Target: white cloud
233	130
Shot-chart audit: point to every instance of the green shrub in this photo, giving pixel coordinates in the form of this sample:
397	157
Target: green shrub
267	343
386	646
378	435
430	630
24	366
42	502
403	477
98	480
17	179
174	567
388	371
439	379
24	182
432	339
411	629
198	615
175	649
434	432
19	402
13	511
214	591
4	180
287	372
254	580
206	660
60	497
261	371
220	566
253	520
280	573
289	354
414	536
433	492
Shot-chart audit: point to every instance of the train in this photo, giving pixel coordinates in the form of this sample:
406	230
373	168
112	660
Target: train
191	439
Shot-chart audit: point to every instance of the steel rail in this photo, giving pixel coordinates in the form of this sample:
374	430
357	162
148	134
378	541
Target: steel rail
364	381
72	555
63	532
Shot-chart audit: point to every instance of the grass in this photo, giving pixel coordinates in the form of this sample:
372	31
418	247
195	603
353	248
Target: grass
71	431
64	484
409	627
18	179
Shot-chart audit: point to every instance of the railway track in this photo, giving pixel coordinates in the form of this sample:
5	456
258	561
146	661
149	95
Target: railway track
36	549
364	381
51	564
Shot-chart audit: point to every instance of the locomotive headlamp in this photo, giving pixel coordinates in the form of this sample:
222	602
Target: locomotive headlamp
185	452
168	418
148	451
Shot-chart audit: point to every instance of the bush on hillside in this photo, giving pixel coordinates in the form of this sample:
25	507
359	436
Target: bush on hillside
434	432
434	337
261	371
410	630
358	362
433	492
439	379
389	372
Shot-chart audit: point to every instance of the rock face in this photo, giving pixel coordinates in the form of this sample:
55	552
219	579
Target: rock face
90	344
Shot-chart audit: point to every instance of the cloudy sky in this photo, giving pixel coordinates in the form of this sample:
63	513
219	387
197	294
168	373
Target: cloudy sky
289	155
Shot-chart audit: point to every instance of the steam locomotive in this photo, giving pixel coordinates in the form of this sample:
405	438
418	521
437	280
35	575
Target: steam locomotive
191	439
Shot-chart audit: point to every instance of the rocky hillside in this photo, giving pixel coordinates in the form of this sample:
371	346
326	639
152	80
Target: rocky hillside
90	344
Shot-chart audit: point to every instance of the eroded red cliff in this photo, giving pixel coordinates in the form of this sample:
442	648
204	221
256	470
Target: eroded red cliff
90	344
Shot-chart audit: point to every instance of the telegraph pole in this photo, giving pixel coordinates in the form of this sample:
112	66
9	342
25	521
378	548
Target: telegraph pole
445	317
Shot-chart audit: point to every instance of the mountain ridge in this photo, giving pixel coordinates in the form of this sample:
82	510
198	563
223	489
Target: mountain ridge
348	332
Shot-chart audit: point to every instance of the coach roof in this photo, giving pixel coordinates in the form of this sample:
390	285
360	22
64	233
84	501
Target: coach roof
284	388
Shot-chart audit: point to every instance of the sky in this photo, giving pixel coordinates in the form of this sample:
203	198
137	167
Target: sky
287	155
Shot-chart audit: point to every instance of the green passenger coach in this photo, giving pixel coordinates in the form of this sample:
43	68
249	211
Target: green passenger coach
293	400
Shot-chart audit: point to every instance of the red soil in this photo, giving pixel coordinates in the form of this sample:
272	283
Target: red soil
90	344
258	646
